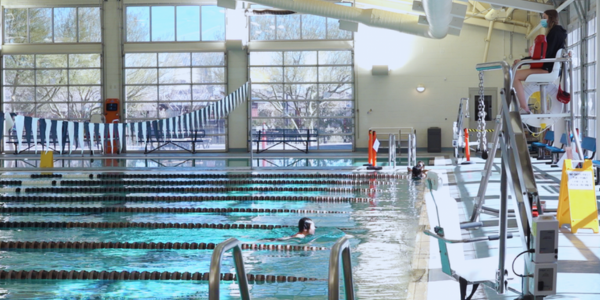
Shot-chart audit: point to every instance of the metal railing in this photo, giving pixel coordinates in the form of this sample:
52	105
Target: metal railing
412	149
392	151
214	277
340	249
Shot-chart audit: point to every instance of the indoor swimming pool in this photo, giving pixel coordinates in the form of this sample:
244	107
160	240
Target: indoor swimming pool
163	226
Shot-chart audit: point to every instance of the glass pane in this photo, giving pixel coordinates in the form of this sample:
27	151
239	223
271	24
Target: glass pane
335	33
90	29
173	109
208	75
141	93
138	24
18	61
141	60
336	91
213	23
293	58
335	57
208	92
266	74
336	126
208	59
51	77
266	58
163	23
267	91
51	61
288	27
85	93
174	92
336	109
141	76
65	26
300	91
188	23
576	84
286	108
591	50
19	94
336	142
174	59
591	127
335	74
300	74
82	110
40	25
591	72
53	111
174	75
18	77
141	110
591	104
313	27
262	28
52	94
84	76
15	25
84	60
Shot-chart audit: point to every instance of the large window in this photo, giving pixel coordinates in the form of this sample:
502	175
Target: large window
295	27
579	37
305	90
52	25
175	23
57	86
163	85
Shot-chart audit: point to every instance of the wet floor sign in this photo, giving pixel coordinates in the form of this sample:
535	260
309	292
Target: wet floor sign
577	198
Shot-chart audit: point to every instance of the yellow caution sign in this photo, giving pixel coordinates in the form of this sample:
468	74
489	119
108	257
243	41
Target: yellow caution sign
47	159
577	198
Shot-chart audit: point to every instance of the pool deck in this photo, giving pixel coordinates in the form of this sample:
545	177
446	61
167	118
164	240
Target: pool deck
579	254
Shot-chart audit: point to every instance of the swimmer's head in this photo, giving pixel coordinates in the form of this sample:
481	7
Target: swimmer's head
306	226
420	164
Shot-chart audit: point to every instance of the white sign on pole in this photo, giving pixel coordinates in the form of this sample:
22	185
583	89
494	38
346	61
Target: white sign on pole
376	145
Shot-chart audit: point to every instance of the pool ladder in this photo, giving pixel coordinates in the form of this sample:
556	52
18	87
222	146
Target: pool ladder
339	251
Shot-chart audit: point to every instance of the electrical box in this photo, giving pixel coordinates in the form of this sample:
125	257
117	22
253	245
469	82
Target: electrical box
545	235
544	280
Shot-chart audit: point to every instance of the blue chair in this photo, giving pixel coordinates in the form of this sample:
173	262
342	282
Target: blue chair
541	146
588	144
554	151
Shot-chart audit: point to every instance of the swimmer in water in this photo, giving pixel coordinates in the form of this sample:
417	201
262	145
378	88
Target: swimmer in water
418	171
306	227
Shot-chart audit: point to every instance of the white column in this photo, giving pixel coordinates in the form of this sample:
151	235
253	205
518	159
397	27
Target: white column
237	75
112	35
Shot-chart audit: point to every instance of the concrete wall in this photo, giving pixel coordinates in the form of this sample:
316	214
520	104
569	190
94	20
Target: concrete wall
445	67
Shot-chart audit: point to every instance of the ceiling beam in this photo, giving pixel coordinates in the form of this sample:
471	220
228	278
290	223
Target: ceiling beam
520	4
497	25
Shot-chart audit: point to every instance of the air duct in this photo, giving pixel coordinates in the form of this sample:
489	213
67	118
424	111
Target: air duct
438	14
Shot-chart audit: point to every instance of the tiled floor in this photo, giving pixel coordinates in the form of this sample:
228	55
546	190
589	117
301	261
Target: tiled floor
579	254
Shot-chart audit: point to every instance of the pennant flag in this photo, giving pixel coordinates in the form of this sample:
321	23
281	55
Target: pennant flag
19	124
34	129
71	131
111	134
101	130
121	137
81	136
144	133
48	129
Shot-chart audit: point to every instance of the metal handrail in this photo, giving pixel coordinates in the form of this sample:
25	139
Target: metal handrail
340	249
392	151
412	149
214	277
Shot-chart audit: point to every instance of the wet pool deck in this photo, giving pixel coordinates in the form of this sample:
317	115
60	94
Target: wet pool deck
579	254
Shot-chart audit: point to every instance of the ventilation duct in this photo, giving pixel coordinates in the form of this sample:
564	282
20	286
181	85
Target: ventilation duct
438	14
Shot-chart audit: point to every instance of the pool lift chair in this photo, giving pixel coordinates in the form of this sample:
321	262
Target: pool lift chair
518	182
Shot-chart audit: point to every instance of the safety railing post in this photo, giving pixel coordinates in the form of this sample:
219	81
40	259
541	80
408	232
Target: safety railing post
341	249
214	277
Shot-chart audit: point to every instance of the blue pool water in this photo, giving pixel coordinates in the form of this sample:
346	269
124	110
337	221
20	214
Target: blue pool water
382	235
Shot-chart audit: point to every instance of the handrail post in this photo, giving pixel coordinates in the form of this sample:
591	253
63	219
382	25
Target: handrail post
341	248
214	277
